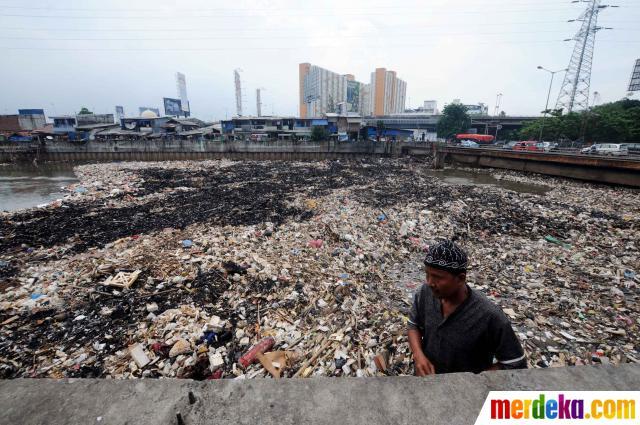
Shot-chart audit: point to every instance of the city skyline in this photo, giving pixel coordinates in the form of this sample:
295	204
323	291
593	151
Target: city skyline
85	54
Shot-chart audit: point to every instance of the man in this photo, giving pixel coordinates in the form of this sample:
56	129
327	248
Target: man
453	328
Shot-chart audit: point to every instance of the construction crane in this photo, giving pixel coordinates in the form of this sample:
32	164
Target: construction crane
574	94
236	74
498	101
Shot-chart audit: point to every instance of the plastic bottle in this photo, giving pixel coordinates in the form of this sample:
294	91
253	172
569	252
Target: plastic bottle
250	356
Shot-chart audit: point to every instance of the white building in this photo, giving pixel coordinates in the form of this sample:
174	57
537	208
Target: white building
475	109
431	107
323	91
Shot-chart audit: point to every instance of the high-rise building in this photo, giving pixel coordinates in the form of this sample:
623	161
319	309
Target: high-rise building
365	100
322	91
388	93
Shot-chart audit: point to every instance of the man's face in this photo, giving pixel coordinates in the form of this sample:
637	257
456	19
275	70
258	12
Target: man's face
442	283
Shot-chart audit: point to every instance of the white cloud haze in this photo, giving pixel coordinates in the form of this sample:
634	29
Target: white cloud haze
65	54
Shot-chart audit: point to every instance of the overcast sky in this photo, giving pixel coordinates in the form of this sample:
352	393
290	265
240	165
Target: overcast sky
64	54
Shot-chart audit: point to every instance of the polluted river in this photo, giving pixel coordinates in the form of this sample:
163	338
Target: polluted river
176	269
29	185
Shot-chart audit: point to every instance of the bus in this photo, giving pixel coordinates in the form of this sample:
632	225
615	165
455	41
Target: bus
481	139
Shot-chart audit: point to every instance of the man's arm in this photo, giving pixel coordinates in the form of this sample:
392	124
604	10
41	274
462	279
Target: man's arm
422	364
507	348
416	321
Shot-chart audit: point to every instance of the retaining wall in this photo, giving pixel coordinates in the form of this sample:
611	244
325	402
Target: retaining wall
610	170
158	150
454	399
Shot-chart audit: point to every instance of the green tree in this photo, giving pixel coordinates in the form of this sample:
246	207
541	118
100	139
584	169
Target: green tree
454	120
318	133
610	122
84	111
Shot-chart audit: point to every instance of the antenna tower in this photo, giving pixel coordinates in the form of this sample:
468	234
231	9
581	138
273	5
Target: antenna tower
575	91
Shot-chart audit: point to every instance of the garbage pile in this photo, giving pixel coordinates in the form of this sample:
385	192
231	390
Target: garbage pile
220	269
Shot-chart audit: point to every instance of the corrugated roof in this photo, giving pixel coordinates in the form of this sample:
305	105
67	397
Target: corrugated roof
94	126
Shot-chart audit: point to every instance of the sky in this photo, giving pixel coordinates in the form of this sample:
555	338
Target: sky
65	54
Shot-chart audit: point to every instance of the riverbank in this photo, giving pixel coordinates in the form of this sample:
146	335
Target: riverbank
226	253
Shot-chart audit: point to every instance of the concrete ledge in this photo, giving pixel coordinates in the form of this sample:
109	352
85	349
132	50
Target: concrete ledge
444	399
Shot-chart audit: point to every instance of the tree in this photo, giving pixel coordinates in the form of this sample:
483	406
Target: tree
318	133
84	111
615	122
454	120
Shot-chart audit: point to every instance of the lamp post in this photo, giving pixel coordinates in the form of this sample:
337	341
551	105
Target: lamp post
546	107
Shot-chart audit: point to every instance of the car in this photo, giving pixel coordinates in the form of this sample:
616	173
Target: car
608	149
469	144
526	146
547	146
613	149
509	145
633	148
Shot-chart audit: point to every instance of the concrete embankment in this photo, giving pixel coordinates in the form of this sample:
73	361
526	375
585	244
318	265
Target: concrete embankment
443	399
160	150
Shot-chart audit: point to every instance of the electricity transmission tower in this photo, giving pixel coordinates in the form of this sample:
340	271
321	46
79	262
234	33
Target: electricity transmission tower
236	74
574	94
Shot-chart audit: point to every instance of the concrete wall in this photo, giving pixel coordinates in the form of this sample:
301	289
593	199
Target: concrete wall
155	150
454	399
582	172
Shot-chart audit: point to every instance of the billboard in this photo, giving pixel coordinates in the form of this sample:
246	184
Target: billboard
30	111
119	113
172	107
181	84
147	108
353	96
634	85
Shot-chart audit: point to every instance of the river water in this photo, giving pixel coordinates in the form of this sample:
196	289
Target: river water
468	178
29	185
25	186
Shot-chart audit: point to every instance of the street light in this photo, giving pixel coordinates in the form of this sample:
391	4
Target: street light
546	107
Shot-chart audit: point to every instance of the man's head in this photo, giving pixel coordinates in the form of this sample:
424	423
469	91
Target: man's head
446	267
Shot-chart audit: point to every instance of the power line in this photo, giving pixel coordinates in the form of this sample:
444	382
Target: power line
220	16
226	30
262	37
207	49
286	37
257	9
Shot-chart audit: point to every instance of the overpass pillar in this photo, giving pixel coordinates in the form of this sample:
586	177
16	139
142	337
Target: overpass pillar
438	157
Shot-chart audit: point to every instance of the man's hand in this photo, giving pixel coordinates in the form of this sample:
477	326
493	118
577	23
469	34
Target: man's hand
422	364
